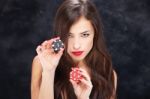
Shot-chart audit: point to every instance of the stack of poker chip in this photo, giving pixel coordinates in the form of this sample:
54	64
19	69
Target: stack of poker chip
57	44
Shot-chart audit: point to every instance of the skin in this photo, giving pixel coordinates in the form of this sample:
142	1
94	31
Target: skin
81	36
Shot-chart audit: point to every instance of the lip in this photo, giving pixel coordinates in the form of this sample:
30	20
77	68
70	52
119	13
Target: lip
77	53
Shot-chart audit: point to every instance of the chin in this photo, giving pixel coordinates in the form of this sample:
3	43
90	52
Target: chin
78	59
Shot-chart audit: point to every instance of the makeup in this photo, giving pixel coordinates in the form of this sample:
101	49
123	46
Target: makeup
77	53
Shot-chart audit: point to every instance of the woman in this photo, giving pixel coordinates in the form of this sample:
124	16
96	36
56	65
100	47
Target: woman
78	25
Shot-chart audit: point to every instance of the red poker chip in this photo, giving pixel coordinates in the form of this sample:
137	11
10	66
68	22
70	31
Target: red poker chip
75	74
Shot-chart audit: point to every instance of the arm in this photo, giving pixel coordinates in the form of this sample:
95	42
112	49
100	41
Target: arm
47	85
49	61
41	82
36	75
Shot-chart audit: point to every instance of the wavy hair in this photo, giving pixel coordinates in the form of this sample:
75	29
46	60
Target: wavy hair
98	60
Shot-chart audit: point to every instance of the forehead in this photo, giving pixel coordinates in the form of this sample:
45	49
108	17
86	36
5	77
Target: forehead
81	25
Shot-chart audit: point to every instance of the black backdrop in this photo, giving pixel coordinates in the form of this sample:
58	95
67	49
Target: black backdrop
26	23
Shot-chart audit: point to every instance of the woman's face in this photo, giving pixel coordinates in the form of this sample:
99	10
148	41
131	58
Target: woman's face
80	40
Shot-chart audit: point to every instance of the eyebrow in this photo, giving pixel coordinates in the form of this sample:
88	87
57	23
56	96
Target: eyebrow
84	32
81	32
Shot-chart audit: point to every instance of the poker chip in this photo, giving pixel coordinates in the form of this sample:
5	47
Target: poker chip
75	74
56	45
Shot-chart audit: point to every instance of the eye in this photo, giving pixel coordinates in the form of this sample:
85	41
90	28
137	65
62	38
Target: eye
70	35
85	34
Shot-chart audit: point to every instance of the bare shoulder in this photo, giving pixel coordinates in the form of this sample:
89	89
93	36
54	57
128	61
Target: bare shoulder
115	79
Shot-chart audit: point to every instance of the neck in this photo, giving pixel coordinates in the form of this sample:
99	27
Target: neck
83	65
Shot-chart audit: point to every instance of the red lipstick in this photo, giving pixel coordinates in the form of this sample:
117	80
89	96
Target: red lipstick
77	53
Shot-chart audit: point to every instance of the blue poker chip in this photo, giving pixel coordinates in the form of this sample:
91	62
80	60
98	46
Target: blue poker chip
56	45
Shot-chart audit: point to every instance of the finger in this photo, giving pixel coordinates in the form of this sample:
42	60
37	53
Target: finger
44	42
85	82
57	37
38	49
44	45
84	74
53	39
61	51
42	48
73	83
47	45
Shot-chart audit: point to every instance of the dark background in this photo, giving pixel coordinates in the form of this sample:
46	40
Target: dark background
26	23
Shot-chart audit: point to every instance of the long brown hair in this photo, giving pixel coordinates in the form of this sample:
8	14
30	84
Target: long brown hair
98	60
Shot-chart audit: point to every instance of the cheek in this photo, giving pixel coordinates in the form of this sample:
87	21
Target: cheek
68	47
89	45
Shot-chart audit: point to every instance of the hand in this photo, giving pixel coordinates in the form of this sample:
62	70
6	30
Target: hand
48	58
83	87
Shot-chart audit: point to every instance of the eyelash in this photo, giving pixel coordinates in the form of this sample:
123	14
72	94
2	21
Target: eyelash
85	35
69	35
82	35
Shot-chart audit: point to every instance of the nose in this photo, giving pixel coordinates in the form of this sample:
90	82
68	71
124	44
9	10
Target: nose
76	44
